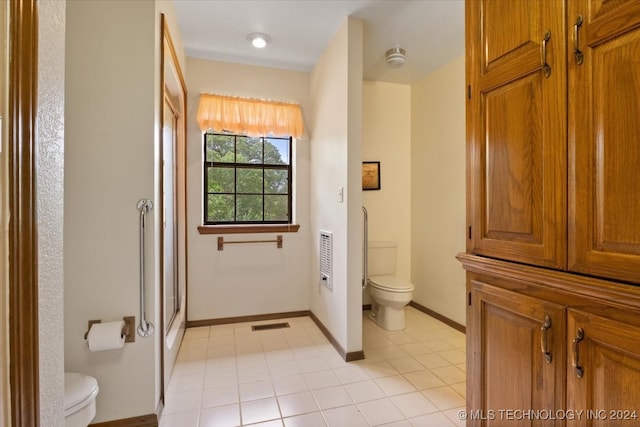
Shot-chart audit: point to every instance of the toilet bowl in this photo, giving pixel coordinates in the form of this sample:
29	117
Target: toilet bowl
80	393
390	294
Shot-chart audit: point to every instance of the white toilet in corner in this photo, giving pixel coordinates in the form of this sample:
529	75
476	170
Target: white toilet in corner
80	393
389	293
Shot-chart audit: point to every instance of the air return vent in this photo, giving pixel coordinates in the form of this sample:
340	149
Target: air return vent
269	326
326	257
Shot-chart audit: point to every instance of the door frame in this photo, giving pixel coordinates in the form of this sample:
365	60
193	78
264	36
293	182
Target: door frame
23	245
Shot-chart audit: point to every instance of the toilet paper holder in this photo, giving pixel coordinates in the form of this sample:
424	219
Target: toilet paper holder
127	330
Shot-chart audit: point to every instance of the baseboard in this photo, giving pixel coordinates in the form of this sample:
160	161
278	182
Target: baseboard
440	317
241	319
348	357
141	421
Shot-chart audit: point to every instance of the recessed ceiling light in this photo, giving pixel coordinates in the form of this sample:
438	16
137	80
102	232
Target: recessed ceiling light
259	40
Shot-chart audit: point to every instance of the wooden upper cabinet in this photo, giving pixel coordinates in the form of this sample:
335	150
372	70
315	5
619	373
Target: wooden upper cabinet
604	139
516	130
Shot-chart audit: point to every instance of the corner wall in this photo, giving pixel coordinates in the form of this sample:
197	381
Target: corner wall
336	156
438	190
50	193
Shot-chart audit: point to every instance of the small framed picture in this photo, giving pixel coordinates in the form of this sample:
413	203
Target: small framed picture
370	175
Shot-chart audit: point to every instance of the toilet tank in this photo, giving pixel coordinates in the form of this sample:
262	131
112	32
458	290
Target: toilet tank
382	258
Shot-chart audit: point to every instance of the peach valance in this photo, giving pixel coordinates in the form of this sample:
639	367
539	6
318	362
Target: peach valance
253	117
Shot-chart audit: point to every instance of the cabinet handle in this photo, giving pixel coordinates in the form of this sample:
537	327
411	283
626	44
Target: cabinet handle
576	356
546	68
576	50
543	338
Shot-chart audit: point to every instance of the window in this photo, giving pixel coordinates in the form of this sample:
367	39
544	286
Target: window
247	180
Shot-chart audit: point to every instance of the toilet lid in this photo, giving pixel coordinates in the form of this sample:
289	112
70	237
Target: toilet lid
79	390
391	283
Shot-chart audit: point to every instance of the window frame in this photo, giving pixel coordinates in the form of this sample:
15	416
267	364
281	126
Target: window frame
207	165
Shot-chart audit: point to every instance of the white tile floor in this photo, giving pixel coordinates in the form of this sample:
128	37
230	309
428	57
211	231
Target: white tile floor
229	376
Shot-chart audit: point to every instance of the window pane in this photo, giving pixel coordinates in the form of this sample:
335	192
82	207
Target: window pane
220	180
249	180
249	150
249	208
275	181
220	148
275	208
220	208
276	151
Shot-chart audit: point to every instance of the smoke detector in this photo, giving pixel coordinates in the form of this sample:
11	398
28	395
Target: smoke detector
395	57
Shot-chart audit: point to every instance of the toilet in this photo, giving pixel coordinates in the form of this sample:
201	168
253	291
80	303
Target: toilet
80	393
389	293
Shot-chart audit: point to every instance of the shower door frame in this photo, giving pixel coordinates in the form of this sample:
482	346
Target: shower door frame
172	80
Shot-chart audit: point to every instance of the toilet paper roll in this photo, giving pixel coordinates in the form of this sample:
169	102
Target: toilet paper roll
106	336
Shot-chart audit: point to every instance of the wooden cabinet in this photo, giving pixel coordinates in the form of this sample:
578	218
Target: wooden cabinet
553	211
604	138
603	373
552	134
516	130
548	348
519	362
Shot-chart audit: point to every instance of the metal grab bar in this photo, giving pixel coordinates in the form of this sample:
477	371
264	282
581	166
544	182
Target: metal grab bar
365	248
145	328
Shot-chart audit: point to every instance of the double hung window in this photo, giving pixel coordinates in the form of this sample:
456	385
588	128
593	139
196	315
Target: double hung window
247	180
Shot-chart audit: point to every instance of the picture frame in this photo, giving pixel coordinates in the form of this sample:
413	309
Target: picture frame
370	176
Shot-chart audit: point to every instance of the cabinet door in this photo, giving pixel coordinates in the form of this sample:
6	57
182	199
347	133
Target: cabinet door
515	358
603	372
516	130
604	140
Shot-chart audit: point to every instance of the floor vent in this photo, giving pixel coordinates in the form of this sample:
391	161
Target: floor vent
269	326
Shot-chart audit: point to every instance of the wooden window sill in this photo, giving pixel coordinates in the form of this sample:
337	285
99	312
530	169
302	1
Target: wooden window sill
253	228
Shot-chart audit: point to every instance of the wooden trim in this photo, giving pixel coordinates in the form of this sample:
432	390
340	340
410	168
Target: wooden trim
604	292
255	228
23	245
440	317
348	357
242	319
150	420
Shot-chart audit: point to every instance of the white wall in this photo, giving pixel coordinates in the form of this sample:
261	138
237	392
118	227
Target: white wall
111	139
438	190
387	139
49	184
246	279
336	156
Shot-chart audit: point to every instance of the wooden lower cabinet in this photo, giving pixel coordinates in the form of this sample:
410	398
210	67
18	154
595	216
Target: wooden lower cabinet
520	361
549	348
603	372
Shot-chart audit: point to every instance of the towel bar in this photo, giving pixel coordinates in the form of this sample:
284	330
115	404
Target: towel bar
222	242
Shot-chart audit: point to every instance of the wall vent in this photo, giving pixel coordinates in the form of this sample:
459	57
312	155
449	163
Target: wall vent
326	258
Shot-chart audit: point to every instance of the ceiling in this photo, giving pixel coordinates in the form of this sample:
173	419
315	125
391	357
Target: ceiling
431	32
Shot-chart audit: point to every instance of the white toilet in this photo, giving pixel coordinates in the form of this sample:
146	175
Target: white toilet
389	293
80	393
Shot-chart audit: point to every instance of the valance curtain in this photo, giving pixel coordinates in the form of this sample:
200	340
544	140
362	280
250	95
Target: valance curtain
252	117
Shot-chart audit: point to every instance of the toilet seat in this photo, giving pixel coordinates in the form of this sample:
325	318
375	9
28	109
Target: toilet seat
391	284
79	391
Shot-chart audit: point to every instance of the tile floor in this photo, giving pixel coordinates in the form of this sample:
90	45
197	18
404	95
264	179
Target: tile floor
229	376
